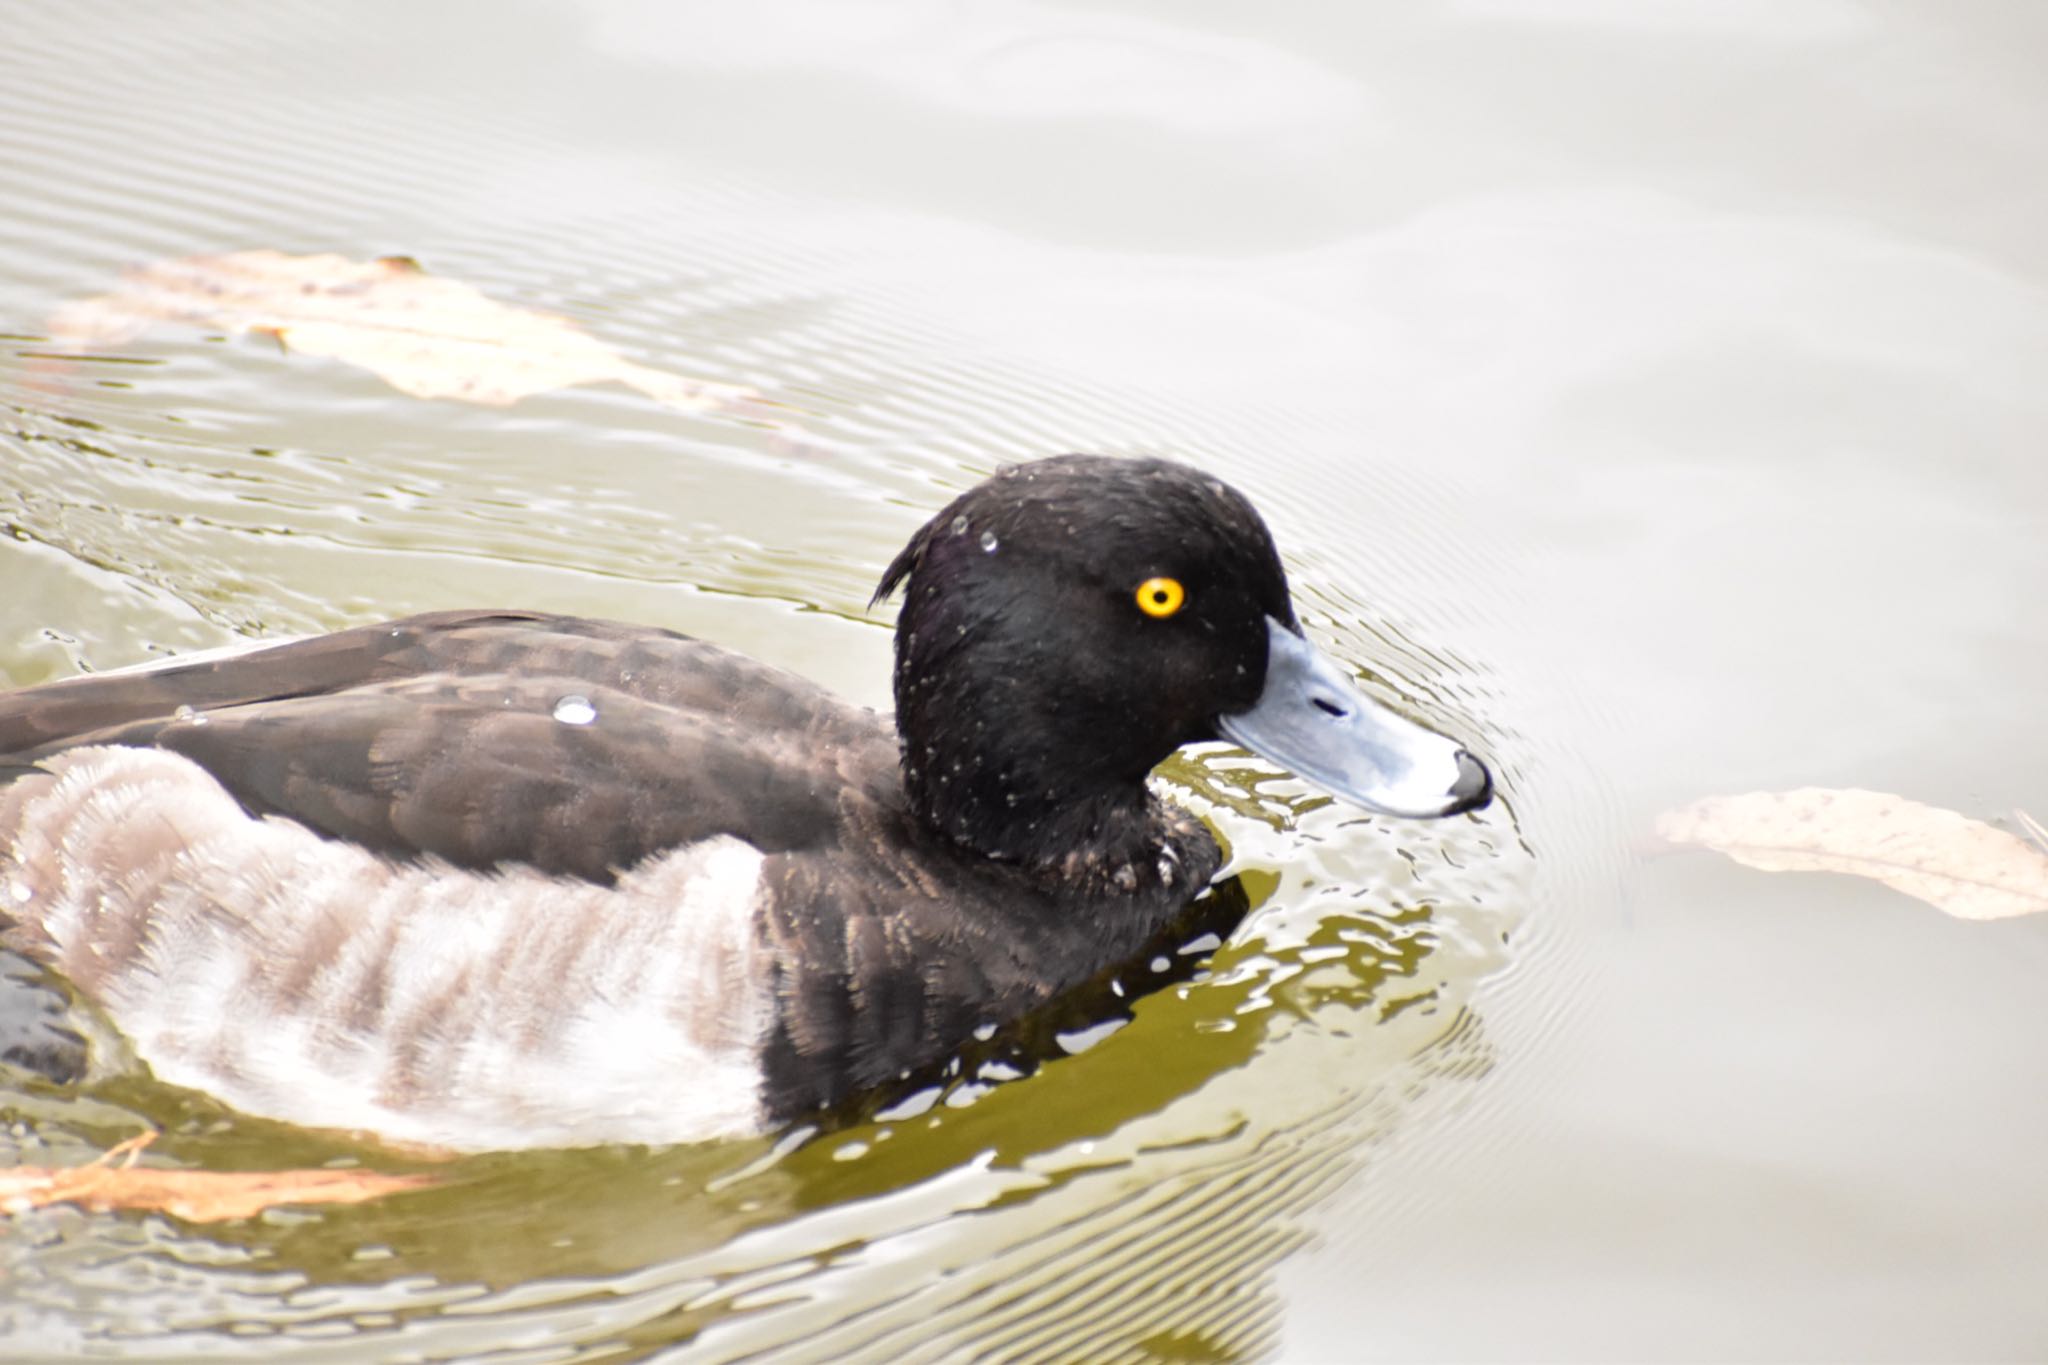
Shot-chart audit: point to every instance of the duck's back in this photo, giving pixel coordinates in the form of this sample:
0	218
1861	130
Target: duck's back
572	746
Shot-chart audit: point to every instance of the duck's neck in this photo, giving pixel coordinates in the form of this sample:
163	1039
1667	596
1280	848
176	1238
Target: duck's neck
1018	801
1115	842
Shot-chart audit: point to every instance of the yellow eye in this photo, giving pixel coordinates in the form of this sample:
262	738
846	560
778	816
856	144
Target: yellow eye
1161	597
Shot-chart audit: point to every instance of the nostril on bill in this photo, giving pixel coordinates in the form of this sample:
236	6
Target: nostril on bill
1329	707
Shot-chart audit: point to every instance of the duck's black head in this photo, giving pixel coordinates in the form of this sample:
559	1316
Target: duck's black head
1070	622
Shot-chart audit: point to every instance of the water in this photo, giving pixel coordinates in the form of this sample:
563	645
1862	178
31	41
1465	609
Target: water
575	710
1649	395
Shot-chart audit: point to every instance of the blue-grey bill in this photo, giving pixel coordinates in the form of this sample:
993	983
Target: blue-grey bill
1312	720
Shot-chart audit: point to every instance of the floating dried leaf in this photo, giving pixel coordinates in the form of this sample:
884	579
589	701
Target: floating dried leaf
195	1196
424	335
1956	864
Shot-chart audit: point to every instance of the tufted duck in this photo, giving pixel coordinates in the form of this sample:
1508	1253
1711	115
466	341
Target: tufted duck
498	879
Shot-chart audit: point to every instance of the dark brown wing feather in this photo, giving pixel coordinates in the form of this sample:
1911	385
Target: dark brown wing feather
438	735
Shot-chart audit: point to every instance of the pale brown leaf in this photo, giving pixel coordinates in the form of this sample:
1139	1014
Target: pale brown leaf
1959	865
195	1196
424	335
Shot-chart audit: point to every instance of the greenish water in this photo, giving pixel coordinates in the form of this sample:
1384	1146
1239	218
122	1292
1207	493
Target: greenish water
1652	400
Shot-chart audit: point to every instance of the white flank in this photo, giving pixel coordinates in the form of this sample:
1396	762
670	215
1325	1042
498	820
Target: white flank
308	980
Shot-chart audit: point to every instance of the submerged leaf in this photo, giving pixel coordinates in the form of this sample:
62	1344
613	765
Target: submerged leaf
424	335
195	1196
1956	864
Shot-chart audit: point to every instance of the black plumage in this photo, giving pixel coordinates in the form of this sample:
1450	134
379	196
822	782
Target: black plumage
994	848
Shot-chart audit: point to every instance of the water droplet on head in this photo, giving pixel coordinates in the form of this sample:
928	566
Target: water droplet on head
988	542
186	715
575	710
960	526
22	892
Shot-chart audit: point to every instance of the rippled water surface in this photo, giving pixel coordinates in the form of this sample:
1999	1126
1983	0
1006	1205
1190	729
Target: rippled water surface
1649	393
